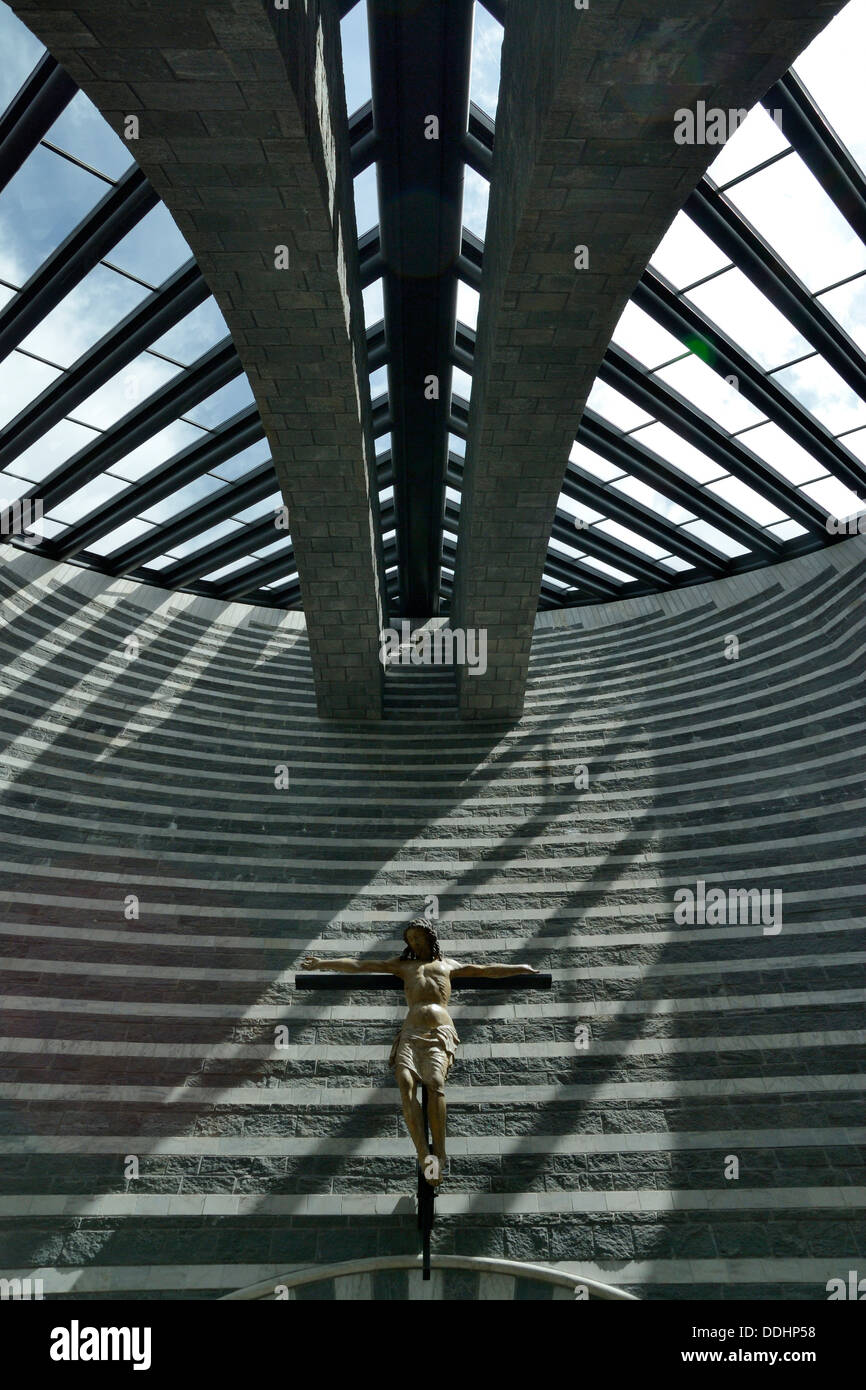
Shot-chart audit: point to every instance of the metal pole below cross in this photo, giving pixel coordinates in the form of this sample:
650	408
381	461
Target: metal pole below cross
426	1192
426	1198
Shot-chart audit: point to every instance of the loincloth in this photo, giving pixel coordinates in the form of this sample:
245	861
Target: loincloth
427	1052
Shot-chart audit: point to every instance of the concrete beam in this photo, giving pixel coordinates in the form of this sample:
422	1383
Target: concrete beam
584	155
242	132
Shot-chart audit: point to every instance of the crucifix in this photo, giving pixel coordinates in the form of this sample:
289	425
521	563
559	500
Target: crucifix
423	1050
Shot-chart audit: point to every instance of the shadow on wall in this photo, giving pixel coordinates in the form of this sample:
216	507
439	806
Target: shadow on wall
140	755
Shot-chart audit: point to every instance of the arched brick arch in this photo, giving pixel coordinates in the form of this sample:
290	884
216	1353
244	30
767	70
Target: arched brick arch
584	155
240	133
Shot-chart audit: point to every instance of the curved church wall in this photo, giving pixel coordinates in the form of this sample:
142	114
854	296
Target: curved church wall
161	1137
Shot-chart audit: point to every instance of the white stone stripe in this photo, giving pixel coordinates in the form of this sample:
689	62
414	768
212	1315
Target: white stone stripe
644	971
367	1013
495	886
568	836
640	747
565	819
576	863
560	683
391	947
375	1052
766	1271
459	1146
320	1097
130	1204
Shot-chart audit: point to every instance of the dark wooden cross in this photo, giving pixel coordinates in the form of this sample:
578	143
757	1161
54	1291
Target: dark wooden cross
426	1192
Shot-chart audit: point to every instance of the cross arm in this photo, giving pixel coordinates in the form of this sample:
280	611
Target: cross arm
374	982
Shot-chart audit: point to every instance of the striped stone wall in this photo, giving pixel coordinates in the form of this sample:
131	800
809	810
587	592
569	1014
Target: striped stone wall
145	770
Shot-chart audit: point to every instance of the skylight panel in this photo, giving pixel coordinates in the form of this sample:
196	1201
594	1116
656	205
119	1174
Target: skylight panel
487	35
235	396
716	539
639	335
648	497
568	550
790	209
184	497
355	43
467	304
157	450
284	543
53	449
204	538
81	131
138	380
87	499
687	254
847	304
153	250
457	445
91	309
610	570
749	319
709	393
39	207
257	511
11	488
615	407
224	571
632	538
588	515
832	69
21	52
758	138
784	454
787	530
461	383
382	444
675	563
678	452
366	199
121	536
379	382
748	501
21	380
453	496
593	463
243	463
856	444
194	335
476	197
373	303
281	583
818	387
836	499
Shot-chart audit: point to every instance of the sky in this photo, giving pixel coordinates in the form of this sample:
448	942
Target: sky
53	192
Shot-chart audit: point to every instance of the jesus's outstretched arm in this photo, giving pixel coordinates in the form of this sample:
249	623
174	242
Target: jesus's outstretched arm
354	967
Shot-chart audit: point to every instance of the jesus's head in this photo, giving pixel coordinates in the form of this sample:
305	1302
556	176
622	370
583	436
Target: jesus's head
422	943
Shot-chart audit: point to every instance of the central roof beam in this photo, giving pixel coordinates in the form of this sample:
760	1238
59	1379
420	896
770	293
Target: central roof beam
420	51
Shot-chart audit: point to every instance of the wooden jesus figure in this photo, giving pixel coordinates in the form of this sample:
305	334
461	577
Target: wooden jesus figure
424	1049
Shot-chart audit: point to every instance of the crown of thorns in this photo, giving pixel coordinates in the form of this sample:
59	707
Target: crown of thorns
422	924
